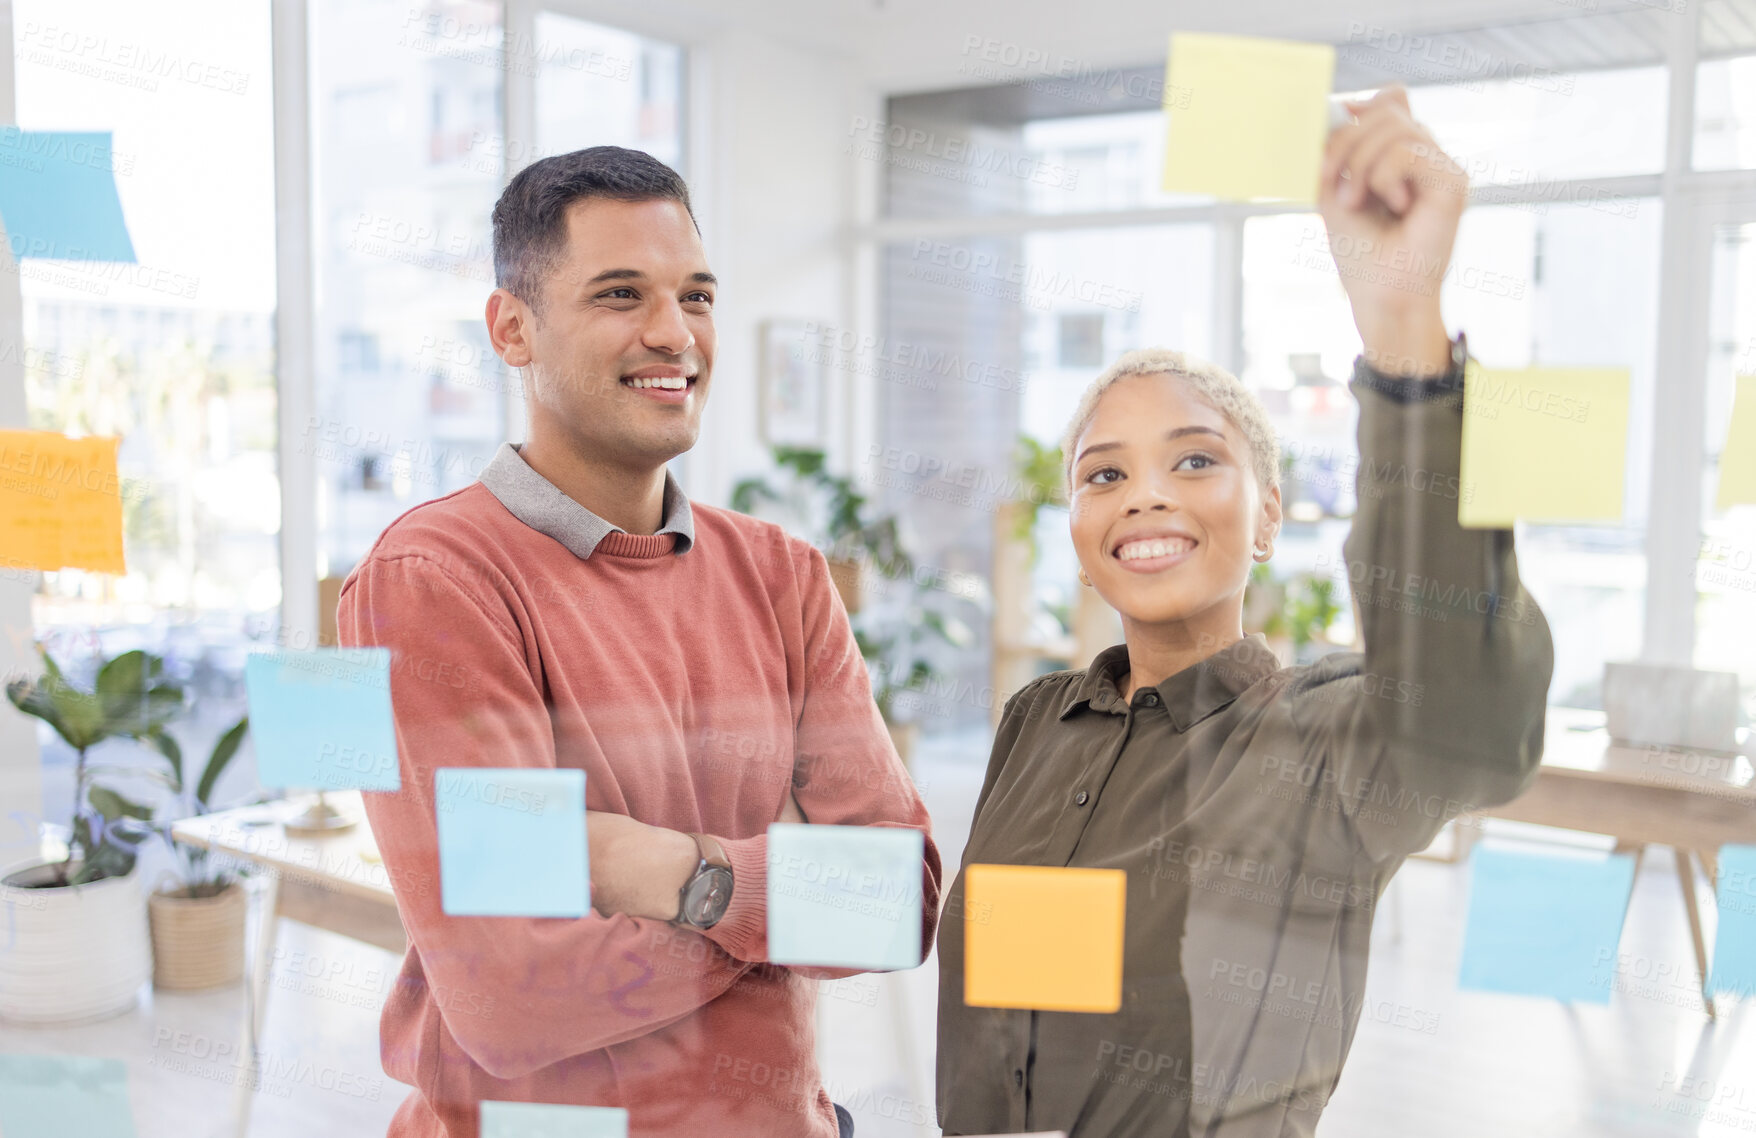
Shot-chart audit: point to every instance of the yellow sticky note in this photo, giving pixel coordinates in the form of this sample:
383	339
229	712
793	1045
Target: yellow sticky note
1246	118
1043	937
60	502
1542	444
1737	459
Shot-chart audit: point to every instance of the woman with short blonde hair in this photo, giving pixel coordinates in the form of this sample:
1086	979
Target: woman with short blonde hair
1258	810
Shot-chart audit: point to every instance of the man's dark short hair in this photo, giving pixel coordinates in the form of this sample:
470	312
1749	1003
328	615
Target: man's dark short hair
530	219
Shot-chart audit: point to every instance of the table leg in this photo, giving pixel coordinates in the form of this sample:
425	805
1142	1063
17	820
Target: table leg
256	987
1686	875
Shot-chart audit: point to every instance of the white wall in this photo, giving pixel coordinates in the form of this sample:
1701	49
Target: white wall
778	200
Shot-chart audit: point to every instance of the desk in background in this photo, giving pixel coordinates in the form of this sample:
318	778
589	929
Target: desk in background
333	881
1693	801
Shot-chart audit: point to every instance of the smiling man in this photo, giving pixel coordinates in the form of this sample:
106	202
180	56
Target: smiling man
695	663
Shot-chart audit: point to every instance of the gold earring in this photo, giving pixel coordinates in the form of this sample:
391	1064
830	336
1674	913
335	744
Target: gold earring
1083	579
1264	552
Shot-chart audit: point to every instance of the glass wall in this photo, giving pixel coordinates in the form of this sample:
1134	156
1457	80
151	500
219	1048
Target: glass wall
174	353
601	86
407	152
1564	273
1726	571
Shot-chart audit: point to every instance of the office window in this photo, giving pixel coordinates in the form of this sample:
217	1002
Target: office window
1299	345
600	86
1726	570
174	353
1080	340
407	152
1550	125
1725	114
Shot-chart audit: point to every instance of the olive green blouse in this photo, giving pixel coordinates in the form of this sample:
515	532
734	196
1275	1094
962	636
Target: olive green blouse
1259	812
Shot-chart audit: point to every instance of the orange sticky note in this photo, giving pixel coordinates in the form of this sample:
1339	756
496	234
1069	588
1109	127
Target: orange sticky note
60	502
1043	937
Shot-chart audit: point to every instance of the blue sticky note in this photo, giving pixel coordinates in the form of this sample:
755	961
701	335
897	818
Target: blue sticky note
546	1120
58	196
1545	924
322	720
50	1096
844	896
1734	945
512	842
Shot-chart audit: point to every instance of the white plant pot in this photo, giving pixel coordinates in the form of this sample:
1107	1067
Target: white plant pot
78	952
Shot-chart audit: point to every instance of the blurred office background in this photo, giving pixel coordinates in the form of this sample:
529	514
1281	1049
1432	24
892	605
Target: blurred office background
934	222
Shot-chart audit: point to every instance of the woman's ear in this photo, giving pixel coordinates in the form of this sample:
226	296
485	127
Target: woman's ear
1268	523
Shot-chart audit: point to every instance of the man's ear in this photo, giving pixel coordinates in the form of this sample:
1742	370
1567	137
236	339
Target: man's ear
510	321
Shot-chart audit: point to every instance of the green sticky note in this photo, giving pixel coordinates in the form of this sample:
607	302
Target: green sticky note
1246	118
1542	444
50	1096
547	1120
1737	459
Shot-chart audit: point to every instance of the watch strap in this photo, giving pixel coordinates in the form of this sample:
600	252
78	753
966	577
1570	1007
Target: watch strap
1403	389
711	851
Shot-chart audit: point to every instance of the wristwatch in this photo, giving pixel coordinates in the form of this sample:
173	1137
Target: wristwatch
703	899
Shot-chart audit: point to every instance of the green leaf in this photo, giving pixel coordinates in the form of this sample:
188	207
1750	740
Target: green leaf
165	744
134	699
804	461
116	771
105	861
749	491
113	806
223	751
32	698
128	676
80	713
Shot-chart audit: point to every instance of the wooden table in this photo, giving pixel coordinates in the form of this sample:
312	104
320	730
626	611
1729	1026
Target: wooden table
332	881
1693	801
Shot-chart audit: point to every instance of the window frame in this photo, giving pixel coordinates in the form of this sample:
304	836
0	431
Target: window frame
1692	201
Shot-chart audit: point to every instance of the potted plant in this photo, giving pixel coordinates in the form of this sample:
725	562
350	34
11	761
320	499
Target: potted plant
76	943
1293	614
198	925
833	504
1038	468
892	633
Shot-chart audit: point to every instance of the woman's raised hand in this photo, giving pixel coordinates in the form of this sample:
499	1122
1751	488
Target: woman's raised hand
1391	199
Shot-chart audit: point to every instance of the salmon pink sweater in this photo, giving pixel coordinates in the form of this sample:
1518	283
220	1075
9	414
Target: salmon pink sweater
696	678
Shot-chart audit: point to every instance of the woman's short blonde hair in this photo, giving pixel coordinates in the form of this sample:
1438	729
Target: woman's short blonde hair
1213	385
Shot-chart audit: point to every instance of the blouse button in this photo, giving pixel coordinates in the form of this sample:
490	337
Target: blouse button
1080	798
1150	699
1018	1076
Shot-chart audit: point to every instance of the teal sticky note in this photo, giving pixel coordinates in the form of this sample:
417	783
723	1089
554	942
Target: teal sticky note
58	196
512	842
547	1120
1545	924
844	896
51	1096
322	720
1734	945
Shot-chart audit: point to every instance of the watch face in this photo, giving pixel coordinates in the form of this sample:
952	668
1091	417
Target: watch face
707	898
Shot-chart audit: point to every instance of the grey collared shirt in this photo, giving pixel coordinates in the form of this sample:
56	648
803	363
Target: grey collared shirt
541	505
